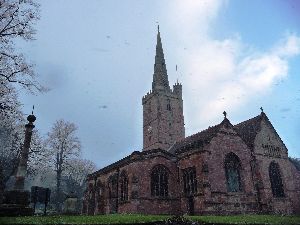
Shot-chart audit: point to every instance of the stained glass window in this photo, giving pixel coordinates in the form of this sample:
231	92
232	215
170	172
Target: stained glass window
232	170
159	181
189	181
276	180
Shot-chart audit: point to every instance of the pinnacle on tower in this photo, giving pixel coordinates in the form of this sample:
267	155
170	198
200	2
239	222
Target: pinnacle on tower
160	76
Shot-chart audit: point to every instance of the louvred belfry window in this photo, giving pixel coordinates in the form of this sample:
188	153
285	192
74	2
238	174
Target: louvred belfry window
159	181
276	180
233	172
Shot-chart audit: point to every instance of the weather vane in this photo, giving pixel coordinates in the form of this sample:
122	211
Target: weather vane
225	114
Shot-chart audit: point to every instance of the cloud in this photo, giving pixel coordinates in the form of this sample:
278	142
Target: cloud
223	74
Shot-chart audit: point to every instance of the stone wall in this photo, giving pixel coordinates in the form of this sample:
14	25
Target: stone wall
163	121
268	148
222	201
296	194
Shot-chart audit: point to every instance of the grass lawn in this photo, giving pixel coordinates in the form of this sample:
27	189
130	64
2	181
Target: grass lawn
248	219
100	219
131	219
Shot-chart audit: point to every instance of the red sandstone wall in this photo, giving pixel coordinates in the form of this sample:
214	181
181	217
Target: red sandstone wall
139	182
264	156
296	195
221	201
151	205
192	160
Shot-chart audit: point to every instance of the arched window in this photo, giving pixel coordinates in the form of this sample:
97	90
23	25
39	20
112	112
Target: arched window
113	186
123	186
169	105
99	189
275	179
159	181
232	171
100	197
189	181
91	201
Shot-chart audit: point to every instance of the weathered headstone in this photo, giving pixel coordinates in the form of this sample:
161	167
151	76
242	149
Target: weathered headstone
40	195
71	204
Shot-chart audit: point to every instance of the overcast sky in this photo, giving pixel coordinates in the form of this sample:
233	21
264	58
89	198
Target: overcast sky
97	58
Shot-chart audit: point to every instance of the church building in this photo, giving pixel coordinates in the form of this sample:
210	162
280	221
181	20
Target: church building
225	169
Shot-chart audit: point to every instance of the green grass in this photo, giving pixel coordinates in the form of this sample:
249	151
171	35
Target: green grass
248	219
99	219
134	218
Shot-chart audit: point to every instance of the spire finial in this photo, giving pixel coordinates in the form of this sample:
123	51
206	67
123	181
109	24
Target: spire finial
225	114
262	110
32	109
158	28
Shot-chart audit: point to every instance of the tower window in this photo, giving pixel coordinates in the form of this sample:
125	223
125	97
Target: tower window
159	181
232	170
276	180
189	181
168	105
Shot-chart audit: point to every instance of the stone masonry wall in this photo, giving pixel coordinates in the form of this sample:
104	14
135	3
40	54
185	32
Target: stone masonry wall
269	148
162	124
193	160
139	189
222	201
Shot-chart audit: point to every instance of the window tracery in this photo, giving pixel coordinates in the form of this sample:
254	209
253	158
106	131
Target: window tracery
233	172
189	181
276	180
123	186
159	181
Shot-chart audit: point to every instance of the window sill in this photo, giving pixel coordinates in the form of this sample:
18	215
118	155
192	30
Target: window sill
124	202
280	198
235	193
160	198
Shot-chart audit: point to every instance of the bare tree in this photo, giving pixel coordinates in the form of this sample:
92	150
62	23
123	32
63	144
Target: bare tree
64	145
76	173
17	20
11	135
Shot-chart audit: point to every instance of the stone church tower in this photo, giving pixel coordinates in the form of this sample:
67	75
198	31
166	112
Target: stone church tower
163	121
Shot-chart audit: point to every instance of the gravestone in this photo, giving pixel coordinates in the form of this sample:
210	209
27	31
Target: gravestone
71	204
40	195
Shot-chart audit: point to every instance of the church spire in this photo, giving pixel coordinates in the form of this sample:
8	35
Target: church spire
160	76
